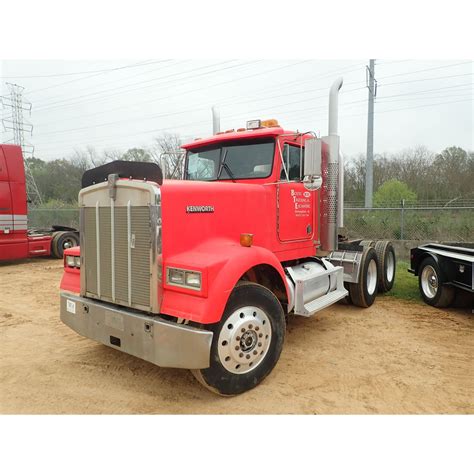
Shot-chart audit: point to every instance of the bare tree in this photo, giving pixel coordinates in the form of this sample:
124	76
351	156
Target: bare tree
167	152
112	154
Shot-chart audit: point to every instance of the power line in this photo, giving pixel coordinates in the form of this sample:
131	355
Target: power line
427	69
52	105
426	79
431	90
212	85
95	75
78	73
152	131
225	102
463	93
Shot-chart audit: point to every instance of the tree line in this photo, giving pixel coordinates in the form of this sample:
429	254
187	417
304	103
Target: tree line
412	174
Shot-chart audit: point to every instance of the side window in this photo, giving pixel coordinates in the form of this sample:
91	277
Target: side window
293	157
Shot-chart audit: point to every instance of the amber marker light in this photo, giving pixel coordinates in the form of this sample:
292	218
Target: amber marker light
246	240
270	123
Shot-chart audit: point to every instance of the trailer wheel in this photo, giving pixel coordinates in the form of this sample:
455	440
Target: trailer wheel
364	292
247	342
386	265
432	290
62	241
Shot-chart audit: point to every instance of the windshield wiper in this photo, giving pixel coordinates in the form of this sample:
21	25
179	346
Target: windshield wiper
226	166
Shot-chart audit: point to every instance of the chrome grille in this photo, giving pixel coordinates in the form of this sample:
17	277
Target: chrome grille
117	261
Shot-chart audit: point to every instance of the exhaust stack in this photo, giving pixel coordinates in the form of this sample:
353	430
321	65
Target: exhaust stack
331	196
216	120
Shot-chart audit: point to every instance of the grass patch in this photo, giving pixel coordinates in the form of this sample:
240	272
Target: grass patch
406	284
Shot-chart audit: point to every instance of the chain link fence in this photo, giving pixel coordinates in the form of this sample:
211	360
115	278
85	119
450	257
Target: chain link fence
44	218
408	221
437	221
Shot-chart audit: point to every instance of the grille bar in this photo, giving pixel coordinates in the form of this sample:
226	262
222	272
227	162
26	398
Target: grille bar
129	252
112	245
97	236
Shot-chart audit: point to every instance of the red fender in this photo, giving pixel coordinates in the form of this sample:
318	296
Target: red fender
222	264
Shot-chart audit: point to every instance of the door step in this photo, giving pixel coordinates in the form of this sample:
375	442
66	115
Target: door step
324	301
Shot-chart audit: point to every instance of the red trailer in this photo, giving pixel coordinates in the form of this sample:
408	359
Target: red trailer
16	241
202	273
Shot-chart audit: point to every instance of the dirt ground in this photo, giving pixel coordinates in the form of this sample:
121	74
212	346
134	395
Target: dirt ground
395	357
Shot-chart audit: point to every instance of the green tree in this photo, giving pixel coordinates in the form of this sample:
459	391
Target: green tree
136	154
392	192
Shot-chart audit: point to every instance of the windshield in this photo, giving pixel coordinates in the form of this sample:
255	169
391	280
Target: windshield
231	160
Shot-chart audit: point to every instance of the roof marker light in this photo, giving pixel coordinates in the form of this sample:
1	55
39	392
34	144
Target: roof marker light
253	124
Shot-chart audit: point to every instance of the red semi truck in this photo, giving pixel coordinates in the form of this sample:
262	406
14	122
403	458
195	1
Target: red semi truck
202	273
16	241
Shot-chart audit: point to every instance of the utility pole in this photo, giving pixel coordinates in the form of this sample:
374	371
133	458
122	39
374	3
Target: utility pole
18	126
369	164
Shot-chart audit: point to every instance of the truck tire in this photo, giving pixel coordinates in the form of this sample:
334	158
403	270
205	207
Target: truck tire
386	265
432	290
367	243
363	293
62	241
247	341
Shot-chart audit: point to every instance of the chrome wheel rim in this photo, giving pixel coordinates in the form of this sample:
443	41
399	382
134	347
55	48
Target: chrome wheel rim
68	243
390	267
372	277
244	340
429	281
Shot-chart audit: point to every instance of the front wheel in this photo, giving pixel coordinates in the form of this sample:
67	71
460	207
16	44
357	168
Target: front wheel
247	342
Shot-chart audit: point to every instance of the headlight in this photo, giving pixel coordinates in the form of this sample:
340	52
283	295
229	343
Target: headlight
175	276
193	279
184	278
73	262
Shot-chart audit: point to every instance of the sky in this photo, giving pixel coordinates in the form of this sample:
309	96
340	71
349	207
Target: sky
120	104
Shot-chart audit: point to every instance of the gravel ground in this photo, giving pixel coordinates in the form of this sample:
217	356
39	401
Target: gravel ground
395	357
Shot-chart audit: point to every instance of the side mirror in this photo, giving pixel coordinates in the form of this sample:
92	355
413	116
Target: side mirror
312	157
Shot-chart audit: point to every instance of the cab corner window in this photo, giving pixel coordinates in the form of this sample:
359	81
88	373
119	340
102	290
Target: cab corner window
293	159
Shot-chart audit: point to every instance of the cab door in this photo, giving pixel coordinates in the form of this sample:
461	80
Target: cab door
295	202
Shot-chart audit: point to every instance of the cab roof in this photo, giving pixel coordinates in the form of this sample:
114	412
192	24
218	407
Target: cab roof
233	135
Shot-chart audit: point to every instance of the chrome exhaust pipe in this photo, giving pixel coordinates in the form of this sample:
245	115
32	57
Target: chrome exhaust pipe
334	106
331	198
216	120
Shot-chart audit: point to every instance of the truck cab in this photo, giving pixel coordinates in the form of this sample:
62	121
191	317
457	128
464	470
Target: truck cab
16	240
269	157
200	273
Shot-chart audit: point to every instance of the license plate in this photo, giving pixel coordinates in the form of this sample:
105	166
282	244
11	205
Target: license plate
71	306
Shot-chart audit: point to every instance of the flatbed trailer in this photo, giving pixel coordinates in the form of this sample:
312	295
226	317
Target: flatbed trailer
442	269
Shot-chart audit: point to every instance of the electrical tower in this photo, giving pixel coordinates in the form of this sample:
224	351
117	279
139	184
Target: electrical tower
369	164
15	122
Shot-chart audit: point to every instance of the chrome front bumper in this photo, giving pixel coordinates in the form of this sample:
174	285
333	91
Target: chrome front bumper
148	337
